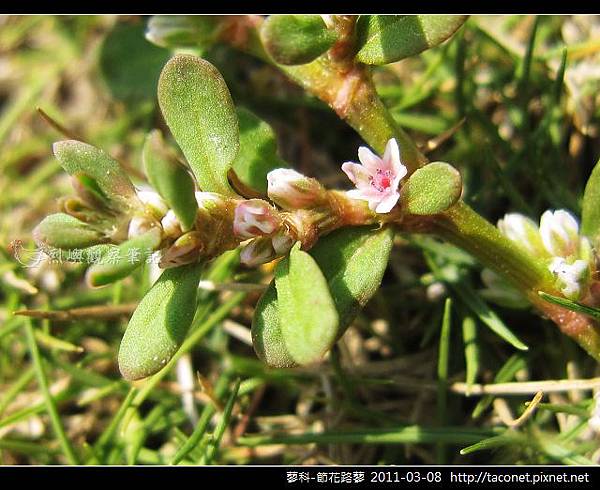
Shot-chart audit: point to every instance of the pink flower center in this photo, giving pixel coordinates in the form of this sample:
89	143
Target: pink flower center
382	180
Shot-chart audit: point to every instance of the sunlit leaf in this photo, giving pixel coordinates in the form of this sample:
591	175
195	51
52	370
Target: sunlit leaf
387	38
258	152
63	231
431	189
353	260
198	109
77	157
160	322
296	39
170	179
127	257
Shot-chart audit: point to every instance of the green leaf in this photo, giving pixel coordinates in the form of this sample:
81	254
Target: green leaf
470	298
509	438
431	189
296	39
353	260
176	31
571	305
77	157
124	259
258	152
506	373
590	214
267	336
488	316
63	231
354	273
129	64
198	109
170	179
160	322
309	319
387	38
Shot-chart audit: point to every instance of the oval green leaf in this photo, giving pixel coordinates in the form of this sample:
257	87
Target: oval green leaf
160	322
296	39
387	38
198	109
590	214
121	261
63	231
170	179
258	152
431	189
78	158
309	319
353	260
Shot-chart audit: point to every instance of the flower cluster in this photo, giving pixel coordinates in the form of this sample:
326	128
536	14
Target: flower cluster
257	220
569	255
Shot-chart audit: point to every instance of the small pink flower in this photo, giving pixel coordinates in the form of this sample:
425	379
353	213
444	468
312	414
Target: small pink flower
377	179
255	218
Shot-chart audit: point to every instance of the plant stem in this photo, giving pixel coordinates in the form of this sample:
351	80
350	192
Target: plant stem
347	87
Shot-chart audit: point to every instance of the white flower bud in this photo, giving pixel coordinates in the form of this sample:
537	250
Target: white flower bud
521	230
152	200
560	233
292	190
138	226
171	225
208	199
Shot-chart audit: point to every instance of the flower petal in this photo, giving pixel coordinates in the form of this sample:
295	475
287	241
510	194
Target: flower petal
392	159
357	174
371	161
388	202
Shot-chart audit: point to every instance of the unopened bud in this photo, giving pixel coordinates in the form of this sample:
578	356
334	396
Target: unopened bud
560	233
292	190
171	225
255	218
156	204
282	243
138	226
523	231
185	250
258	251
209	200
